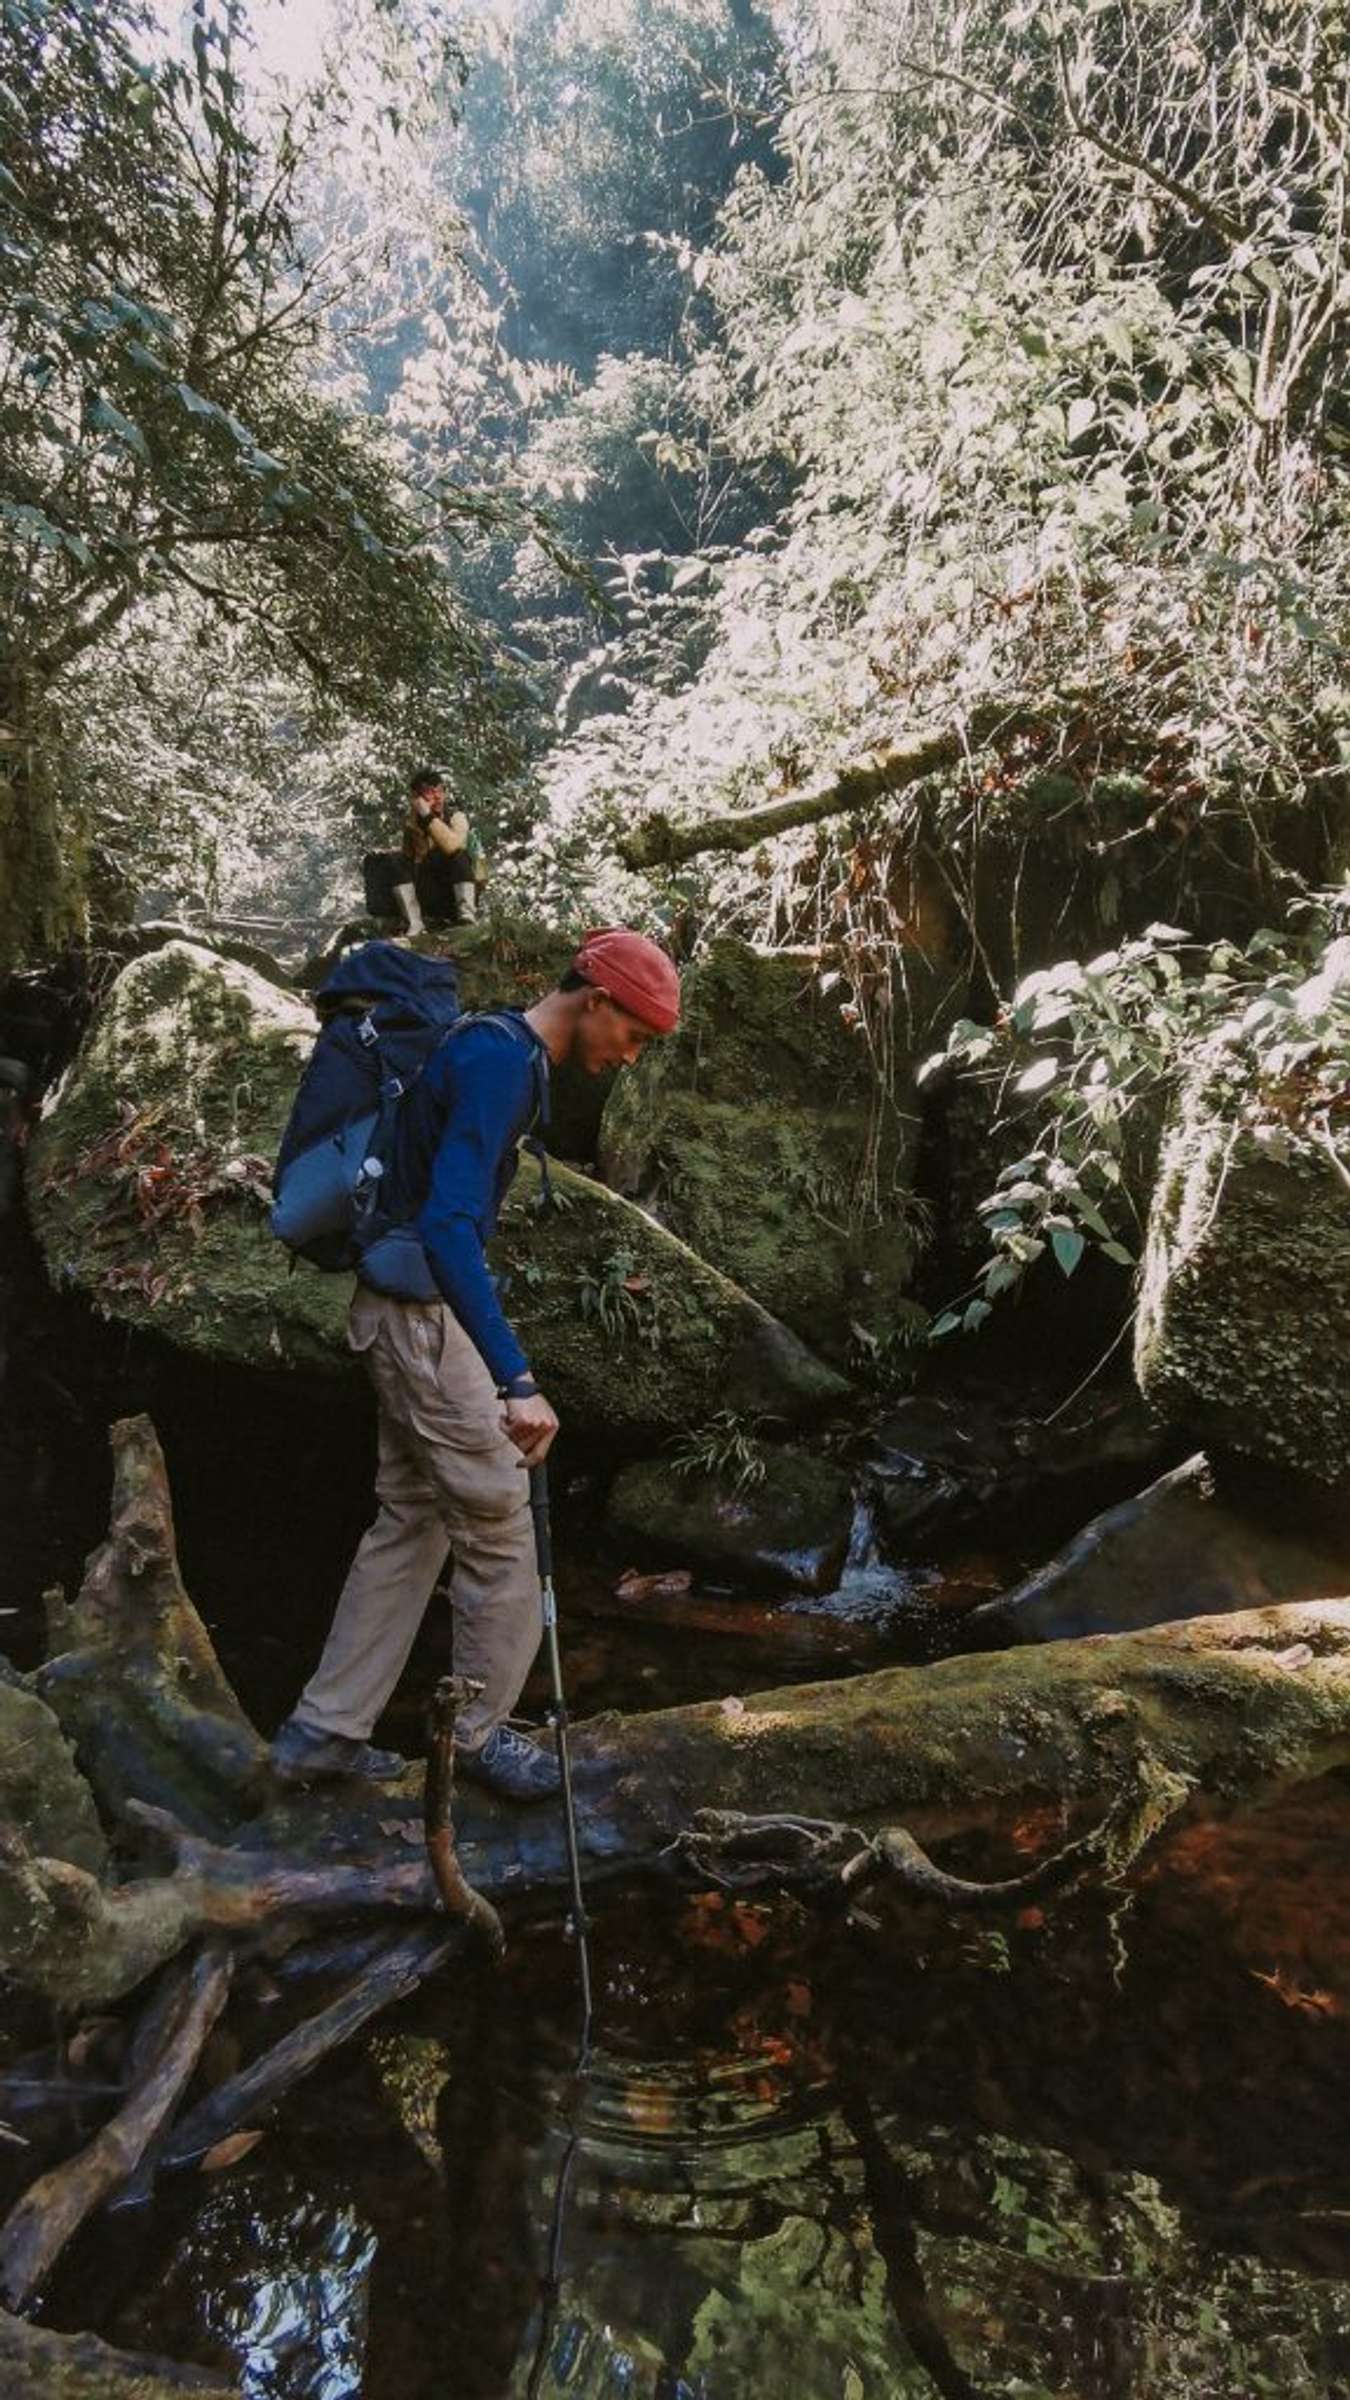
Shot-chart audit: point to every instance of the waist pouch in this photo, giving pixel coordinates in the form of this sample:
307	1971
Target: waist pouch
396	1264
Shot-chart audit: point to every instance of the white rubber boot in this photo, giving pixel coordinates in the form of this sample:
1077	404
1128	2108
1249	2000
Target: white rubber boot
406	896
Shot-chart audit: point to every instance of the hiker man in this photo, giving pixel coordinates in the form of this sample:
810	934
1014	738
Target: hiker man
437	873
460	1416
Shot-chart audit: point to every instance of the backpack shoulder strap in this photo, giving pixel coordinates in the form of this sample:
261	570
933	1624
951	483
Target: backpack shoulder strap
519	1032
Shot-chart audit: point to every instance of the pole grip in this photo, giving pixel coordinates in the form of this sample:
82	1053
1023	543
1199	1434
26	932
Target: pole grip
543	1528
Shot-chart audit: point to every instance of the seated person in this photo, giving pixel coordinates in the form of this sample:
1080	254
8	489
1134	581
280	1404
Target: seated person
437	868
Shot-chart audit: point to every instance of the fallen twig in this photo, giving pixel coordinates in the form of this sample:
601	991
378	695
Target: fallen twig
52	2209
407	1961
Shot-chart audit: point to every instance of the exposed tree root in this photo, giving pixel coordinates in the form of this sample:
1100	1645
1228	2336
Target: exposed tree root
458	1898
813	1854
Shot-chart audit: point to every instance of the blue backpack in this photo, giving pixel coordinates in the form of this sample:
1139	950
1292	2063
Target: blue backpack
382	1012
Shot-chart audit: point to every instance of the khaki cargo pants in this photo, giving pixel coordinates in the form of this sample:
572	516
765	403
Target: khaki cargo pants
447	1478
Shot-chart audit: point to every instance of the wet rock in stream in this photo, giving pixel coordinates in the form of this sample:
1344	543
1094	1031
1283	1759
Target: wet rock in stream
1185	1547
938	1463
789	1526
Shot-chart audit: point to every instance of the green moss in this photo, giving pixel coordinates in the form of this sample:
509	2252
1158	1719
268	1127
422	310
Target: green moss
790	1526
188	1072
688	1341
191	1068
758	1134
1244	1318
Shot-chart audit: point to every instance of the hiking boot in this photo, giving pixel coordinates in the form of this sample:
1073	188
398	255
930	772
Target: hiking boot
302	1754
512	1766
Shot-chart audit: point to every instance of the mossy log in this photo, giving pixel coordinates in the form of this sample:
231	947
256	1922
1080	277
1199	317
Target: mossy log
1230	1708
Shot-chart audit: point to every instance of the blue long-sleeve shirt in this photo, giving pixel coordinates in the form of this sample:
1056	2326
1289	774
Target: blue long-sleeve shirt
455	1158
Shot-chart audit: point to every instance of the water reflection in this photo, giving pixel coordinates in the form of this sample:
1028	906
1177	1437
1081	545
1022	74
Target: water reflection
906	2164
281	2281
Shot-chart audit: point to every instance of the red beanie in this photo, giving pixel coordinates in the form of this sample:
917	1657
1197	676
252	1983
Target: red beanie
634	972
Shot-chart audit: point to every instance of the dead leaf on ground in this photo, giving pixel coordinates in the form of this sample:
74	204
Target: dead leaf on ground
668	1585
91	2036
1300	1655
234	2147
1308	2004
402	1829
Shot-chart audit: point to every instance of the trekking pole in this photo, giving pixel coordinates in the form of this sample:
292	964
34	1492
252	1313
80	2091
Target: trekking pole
543	1549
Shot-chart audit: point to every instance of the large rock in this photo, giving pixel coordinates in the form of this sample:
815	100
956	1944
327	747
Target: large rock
1243	1331
760	1134
149	1190
790	1526
1180	1549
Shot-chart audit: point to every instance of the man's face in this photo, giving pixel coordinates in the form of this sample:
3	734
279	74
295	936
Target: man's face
608	1036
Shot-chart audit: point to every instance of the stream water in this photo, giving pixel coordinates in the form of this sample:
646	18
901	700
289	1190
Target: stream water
1097	2151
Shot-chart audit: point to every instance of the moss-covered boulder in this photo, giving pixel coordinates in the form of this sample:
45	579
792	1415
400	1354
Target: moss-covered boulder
1180	1549
149	1180
149	1173
1243	1331
48	1812
790	1525
759	1133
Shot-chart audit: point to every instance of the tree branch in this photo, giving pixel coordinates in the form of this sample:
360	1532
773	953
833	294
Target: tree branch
656	842
1226	228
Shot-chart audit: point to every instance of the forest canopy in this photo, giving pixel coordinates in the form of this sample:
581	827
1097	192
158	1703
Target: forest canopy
658	412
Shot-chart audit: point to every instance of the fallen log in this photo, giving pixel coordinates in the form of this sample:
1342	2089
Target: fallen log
89	1941
52	2209
1232	1707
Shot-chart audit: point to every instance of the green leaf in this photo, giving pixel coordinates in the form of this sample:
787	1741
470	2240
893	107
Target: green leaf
1118	1252
947	1323
107	419
1036	1078
1068	1246
975	1314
